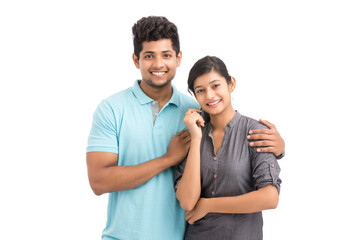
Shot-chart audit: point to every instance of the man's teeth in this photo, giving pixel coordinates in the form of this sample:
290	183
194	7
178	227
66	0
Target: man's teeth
213	103
158	73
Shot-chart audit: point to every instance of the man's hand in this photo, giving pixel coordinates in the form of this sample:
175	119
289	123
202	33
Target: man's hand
268	139
178	148
199	211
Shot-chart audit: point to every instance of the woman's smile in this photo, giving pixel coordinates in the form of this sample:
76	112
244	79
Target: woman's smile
213	104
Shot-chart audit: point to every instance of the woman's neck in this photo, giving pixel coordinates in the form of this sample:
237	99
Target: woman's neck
219	121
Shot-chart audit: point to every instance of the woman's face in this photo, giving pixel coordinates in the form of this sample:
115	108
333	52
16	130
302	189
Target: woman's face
213	92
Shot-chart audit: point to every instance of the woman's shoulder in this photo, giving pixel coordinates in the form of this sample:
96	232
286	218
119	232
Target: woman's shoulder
250	123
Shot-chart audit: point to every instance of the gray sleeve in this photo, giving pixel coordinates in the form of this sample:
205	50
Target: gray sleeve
265	169
280	156
179	173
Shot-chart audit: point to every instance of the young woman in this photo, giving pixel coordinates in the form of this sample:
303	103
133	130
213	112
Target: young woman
223	184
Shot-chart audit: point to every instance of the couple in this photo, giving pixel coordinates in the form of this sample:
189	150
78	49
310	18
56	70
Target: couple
138	143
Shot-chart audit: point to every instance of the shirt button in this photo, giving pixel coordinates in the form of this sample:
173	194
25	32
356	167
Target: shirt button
213	193
215	158
215	175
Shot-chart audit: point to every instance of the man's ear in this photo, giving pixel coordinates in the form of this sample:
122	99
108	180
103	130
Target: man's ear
178	59
136	61
232	84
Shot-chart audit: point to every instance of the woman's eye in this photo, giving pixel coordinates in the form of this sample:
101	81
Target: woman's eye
199	91
216	85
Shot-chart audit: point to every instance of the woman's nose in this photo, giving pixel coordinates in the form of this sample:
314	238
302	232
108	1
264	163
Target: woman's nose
210	94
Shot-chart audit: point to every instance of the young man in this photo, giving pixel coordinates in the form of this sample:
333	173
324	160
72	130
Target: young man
138	138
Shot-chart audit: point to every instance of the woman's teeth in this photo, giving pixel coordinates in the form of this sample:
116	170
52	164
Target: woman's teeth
213	103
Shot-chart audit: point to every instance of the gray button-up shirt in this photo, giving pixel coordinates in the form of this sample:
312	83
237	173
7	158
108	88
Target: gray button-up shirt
235	170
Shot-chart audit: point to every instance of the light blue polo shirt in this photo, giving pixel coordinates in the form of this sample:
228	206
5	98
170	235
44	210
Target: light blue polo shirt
128	123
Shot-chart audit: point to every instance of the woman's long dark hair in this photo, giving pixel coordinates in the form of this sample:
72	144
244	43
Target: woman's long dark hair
203	66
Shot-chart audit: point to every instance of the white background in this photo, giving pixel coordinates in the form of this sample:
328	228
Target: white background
296	65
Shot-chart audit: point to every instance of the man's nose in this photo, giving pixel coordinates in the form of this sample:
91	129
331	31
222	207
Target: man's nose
158	62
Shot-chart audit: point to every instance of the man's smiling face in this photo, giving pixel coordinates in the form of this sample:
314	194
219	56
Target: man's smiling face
157	63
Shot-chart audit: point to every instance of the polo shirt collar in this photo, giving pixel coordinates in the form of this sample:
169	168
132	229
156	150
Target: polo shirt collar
175	97
144	99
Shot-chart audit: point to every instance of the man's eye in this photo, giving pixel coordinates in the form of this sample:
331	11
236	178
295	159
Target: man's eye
167	55
216	85
148	56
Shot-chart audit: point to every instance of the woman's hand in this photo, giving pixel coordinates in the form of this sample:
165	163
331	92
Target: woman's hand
199	211
194	121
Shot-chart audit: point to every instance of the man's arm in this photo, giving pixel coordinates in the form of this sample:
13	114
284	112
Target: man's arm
268	139
105	176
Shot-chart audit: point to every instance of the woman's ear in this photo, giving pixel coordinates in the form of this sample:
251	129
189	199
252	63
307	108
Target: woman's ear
232	84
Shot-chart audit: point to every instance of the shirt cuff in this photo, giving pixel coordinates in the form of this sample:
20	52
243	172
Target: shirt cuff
280	156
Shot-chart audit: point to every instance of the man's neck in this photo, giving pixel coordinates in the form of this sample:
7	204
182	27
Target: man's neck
161	95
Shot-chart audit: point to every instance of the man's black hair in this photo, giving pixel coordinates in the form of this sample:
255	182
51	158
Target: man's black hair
154	28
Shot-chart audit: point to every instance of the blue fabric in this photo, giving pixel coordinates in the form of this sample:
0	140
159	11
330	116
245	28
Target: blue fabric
123	124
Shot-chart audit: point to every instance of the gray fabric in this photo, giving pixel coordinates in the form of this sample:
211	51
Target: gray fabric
235	170
154	110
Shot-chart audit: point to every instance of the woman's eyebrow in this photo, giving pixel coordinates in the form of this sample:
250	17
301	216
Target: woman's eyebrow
209	83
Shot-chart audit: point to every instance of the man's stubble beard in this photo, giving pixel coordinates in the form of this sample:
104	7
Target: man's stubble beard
151	84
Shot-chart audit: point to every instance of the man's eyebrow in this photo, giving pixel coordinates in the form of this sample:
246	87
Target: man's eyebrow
209	83
165	51
148	52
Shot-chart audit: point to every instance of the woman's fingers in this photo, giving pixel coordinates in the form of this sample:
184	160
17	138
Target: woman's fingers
191	110
195	117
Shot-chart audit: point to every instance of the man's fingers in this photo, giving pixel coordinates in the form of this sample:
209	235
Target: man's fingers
261	144
259	137
183	133
187	215
261	131
187	138
267	123
267	149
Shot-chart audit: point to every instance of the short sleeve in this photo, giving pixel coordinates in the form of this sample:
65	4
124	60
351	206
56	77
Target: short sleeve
103	134
265	170
179	172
